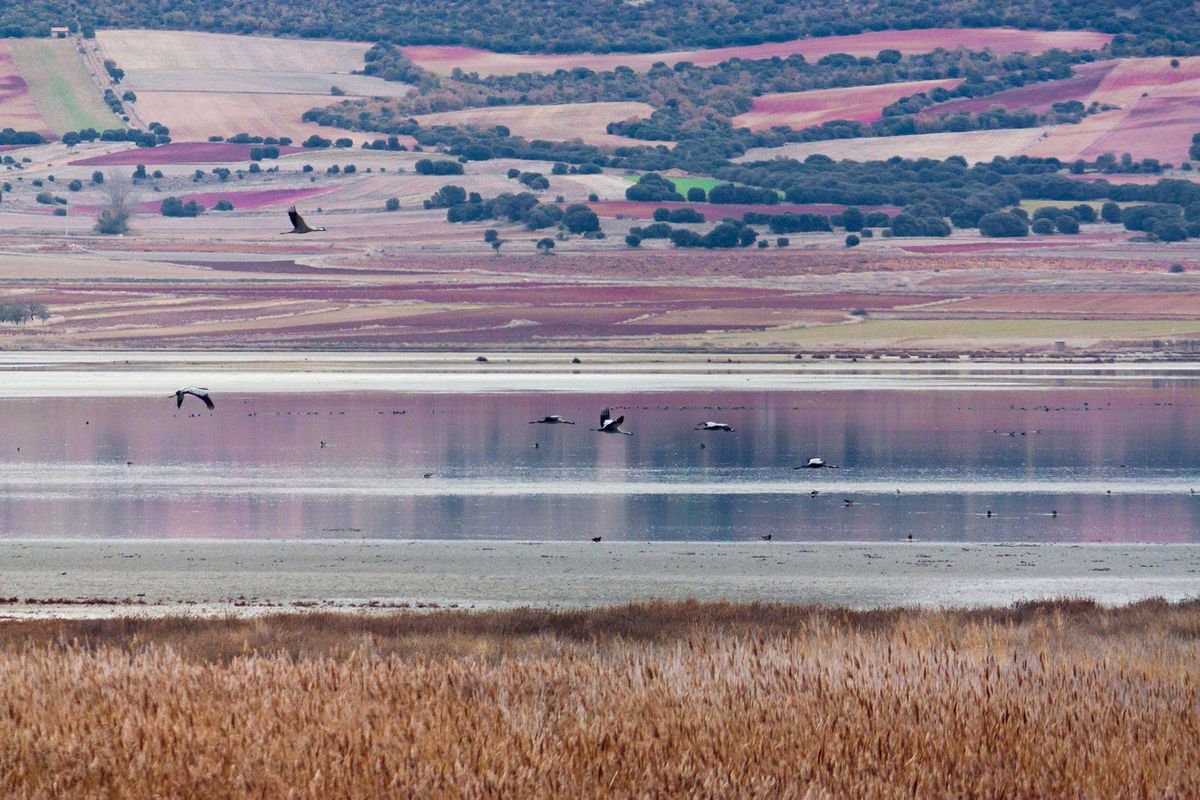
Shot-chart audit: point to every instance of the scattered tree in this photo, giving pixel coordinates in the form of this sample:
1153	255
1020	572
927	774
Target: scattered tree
118	206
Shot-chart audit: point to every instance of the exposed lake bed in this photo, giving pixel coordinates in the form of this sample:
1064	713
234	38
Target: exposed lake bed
380	481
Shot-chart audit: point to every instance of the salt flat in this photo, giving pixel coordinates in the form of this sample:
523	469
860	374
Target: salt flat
163	577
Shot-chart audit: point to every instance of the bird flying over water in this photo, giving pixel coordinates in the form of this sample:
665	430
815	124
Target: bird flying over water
713	426
816	463
553	419
298	223
194	391
610	425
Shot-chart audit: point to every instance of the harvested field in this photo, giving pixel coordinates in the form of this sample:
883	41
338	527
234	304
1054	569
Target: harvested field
1157	127
318	84
185	80
186	50
1038	96
67	97
1135	305
974	146
178	153
632	209
800	110
17	107
566	122
999	40
195	116
1156	117
724	700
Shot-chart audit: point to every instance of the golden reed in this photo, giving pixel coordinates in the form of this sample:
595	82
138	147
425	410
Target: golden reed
1060	699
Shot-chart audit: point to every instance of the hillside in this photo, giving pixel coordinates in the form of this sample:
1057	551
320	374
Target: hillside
536	26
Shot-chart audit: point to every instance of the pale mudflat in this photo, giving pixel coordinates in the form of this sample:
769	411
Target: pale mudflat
105	578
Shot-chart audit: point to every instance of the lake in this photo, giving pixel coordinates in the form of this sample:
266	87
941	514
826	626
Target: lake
1079	455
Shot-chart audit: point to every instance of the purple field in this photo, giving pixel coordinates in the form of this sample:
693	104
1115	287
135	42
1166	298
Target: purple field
178	153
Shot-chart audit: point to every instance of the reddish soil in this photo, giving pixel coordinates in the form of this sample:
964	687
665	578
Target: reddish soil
243	201
999	40
1161	127
17	108
800	110
179	153
1038	96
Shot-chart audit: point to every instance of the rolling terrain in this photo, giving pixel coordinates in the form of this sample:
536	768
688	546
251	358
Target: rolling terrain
999	40
407	278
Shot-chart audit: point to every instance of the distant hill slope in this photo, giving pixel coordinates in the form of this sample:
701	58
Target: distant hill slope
556	26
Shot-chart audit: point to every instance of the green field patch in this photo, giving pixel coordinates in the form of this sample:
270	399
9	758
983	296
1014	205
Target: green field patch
1034	205
66	96
683	184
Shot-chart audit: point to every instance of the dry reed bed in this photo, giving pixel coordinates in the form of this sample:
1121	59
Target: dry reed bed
1043	700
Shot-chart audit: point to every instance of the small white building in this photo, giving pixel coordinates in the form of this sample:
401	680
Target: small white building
60	32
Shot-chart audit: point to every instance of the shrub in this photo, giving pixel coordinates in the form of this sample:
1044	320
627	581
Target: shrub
174	207
1043	226
633	241
696	195
1169	231
75	185
1002	224
852	241
1176	269
580	219
1067	224
782	241
652	187
1110	212
427	166
392	204
222	205
853	219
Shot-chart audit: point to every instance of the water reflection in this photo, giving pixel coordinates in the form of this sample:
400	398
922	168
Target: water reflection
1110	464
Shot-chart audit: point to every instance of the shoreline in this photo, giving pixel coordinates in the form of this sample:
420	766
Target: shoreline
84	579
154	373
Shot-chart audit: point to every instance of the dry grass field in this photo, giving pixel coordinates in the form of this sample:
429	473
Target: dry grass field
207	84
17	106
1061	699
179	50
66	96
564	122
194	116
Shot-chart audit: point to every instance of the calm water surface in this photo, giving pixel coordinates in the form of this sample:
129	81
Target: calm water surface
1115	462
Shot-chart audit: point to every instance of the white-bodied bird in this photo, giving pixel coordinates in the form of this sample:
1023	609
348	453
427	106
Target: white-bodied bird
816	463
610	425
194	391
713	426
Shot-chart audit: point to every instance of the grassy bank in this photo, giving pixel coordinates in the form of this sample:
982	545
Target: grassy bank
1061	699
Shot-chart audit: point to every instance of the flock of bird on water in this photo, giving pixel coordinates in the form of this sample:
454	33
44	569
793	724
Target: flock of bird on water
608	424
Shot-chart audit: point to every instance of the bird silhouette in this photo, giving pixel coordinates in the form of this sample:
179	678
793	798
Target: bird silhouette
194	391
298	223
552	419
713	426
